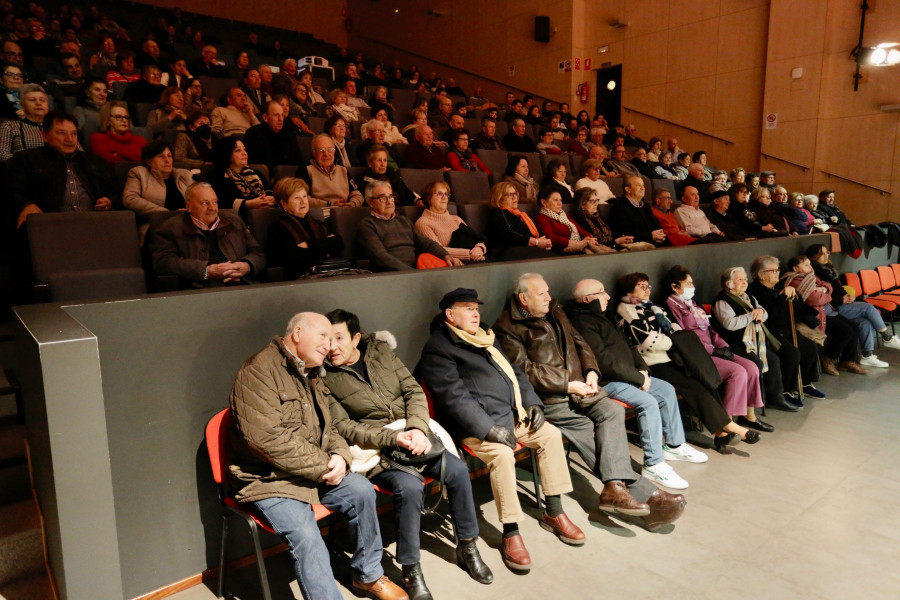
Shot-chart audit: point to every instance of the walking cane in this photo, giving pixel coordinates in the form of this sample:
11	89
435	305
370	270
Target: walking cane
794	336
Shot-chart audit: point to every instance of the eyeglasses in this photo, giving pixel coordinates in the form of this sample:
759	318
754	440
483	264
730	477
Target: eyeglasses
597	294
16	54
511	195
441	195
325	150
120	117
644	286
386	198
13	75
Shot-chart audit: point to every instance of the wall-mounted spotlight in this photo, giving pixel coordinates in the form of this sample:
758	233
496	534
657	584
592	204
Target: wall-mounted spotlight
882	55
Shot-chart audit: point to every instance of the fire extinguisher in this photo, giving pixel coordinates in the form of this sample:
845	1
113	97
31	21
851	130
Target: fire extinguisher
583	91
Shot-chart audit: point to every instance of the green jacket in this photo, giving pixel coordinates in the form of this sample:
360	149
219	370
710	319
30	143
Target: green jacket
280	447
360	410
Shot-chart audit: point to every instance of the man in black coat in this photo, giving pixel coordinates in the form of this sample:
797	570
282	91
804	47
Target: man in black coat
516	140
630	215
695	180
270	143
489	405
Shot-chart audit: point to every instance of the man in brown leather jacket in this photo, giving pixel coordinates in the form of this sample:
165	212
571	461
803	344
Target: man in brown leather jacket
287	455
536	335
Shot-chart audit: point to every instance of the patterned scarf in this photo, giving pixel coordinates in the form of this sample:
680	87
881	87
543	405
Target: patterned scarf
664	323
598	228
561	217
247	182
465	159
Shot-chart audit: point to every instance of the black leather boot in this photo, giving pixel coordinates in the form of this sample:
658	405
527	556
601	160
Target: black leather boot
468	558
414	583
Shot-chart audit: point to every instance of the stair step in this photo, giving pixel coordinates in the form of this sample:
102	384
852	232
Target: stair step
12	443
16	486
33	587
21	548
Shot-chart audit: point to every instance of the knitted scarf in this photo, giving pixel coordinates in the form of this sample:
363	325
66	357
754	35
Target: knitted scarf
755	334
806	286
247	182
485	340
598	228
525	219
465	159
561	217
664	323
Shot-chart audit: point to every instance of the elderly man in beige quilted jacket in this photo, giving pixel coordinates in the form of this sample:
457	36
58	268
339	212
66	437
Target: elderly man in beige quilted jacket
287	455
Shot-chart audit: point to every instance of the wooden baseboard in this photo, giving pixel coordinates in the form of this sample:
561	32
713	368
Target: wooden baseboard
40	513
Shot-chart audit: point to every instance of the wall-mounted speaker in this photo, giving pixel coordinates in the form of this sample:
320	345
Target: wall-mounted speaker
542	29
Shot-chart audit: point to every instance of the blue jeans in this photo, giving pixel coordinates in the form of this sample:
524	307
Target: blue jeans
354	497
657	413
867	318
409	494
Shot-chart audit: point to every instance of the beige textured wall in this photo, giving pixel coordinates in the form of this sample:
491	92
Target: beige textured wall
822	122
322	18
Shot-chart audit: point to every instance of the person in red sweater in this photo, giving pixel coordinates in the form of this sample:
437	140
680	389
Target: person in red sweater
662	210
566	236
115	142
460	158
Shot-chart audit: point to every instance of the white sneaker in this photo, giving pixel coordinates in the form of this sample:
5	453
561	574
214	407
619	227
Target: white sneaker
894	343
873	361
684	452
665	475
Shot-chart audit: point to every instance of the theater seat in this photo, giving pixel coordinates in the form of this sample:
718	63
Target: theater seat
345	221
475	216
495	160
417	179
468	187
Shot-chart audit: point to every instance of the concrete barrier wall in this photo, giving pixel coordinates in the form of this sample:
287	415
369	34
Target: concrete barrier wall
118	394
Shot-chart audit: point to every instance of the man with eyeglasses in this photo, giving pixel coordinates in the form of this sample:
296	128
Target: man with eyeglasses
205	249
390	240
330	184
13	55
694	221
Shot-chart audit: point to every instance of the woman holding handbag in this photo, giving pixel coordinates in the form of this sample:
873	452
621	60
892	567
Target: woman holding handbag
371	389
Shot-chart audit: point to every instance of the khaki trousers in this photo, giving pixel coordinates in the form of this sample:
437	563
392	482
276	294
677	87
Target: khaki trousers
551	461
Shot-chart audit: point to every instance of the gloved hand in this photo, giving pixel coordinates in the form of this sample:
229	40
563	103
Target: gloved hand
725	353
536	416
501	435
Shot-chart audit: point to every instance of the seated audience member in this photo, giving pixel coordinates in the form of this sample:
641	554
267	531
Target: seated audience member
235	118
516	141
580	144
251	85
270	143
439	119
337	127
719	181
565	236
745	215
437	223
814	219
592	171
423	152
329	183
827	206
236	185
518	174
545	144
379	101
196	100
298	241
536	336
68	81
743	394
767	179
663	170
649	329
391	242
803	218
369	388
155	186
695	180
662	210
555	179
639	160
340	107
588	217
203	248
752	181
288	455
193	146
487	137
654	149
460	157
115	142
796	218
241	65
862	314
740	320
302	107
737	175
378	161
766	214
619	163
89	104
58	176
489	405
511	233
631	216
699	157
682	165
626	377
13	78
692	220
765	288
284	82
631	138
392	135
124	71
375	136
170	114
25	133
208	64
106	55
456	123
177	74
145	90
719	215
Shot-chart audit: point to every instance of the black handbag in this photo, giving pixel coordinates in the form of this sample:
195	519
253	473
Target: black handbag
465	237
404	460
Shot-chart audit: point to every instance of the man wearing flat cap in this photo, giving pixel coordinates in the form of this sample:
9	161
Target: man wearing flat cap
767	180
489	405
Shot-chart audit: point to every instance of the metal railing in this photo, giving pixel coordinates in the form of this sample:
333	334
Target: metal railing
784	160
881	191
688	127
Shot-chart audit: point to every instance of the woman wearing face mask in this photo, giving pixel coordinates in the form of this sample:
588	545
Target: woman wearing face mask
743	394
193	147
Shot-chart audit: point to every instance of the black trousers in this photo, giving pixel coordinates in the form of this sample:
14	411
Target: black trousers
694	398
843	339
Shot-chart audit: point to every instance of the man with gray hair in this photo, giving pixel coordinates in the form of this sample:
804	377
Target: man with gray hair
205	249
391	241
516	140
287	455
423	153
329	183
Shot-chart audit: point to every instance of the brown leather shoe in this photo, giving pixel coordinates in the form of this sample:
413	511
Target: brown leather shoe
616	498
382	589
664	508
828	366
514	554
852	366
564	528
